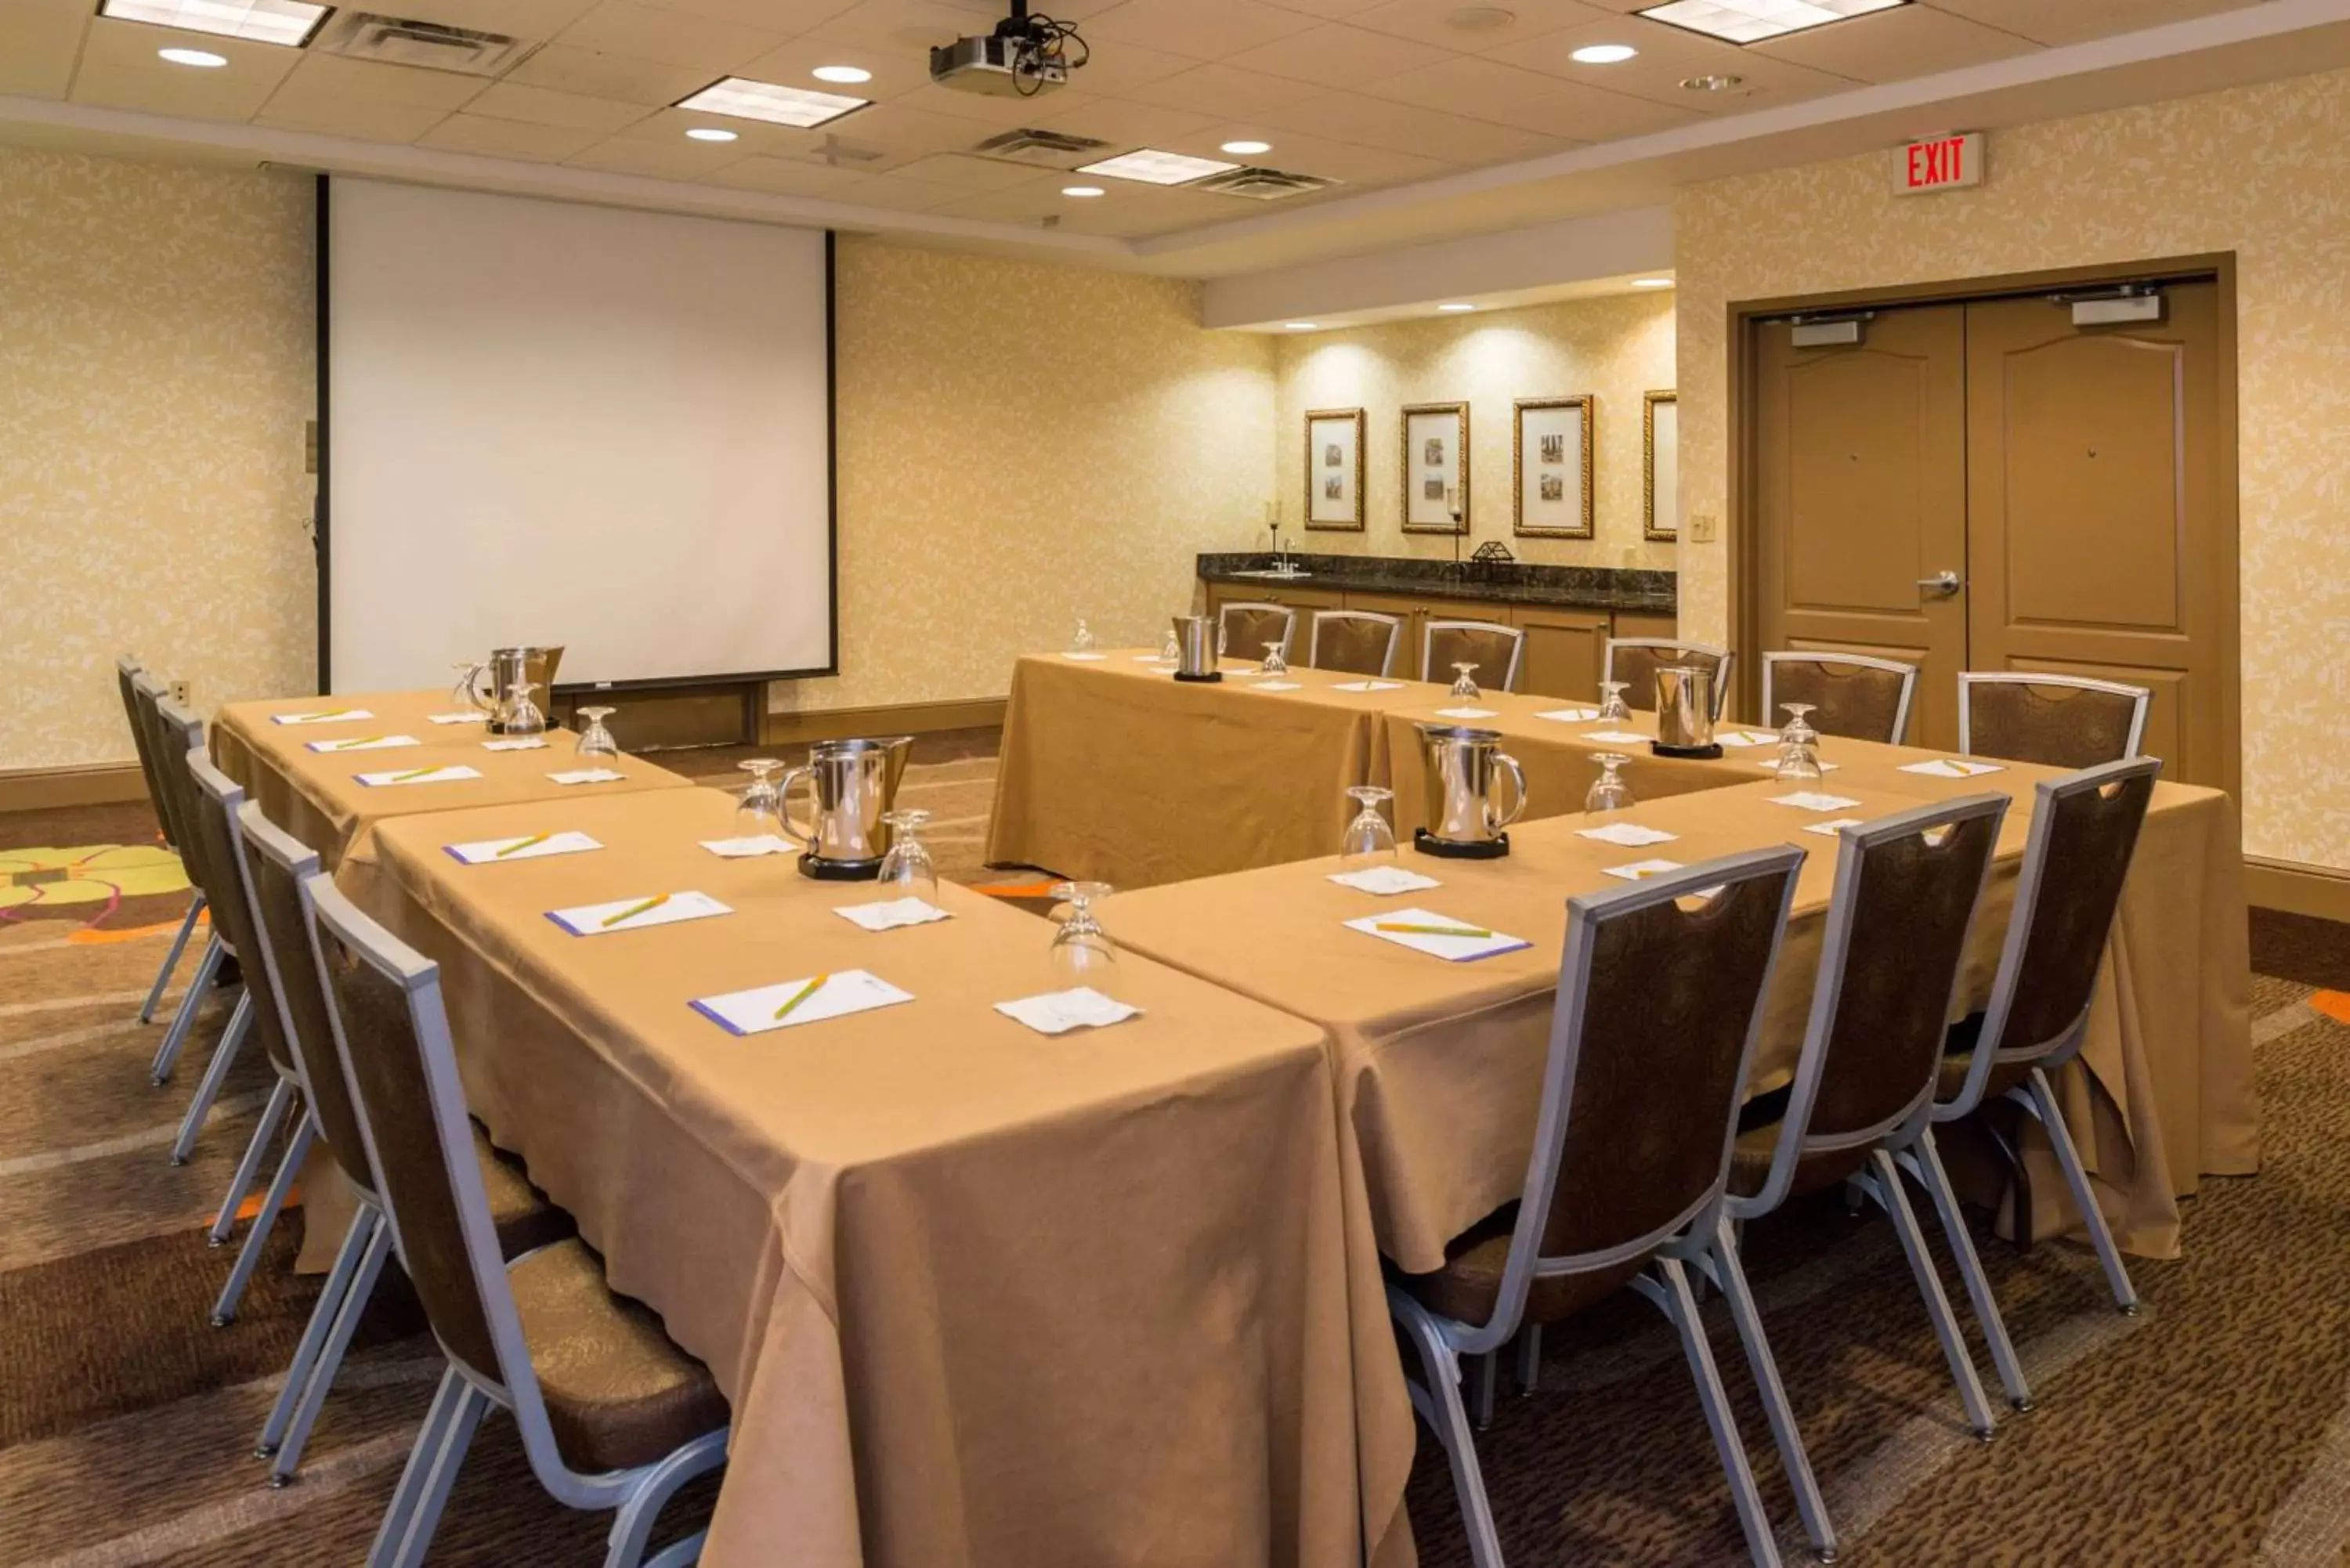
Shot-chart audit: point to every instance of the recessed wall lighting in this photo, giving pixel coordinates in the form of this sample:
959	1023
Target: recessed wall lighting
203	57
1717	82
847	76
1156	168
1652	283
1301	326
777	104
286	21
1751	21
710	133
1456	307
1602	54
1081	190
1247	148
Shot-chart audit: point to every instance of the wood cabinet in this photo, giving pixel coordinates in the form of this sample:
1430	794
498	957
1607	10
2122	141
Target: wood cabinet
1632	623
1563	650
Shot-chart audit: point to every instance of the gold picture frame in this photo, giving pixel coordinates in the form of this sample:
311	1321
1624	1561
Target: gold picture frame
1651	491
1550	485
1340	433
1435	454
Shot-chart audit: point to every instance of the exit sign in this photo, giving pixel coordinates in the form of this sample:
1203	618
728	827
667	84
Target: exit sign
1938	163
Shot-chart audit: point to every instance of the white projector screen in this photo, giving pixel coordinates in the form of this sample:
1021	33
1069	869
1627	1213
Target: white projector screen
548	424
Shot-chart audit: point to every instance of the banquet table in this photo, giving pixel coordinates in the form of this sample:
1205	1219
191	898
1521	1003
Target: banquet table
977	1295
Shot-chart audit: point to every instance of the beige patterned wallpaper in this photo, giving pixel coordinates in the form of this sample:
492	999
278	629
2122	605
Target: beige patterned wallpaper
1617	348
155	372
2263	172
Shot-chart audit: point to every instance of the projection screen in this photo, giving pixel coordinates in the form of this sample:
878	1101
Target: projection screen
548	424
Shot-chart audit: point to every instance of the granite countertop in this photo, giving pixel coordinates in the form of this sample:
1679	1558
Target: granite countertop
1513	581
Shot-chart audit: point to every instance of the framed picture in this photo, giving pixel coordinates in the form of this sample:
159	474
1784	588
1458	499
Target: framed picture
1333	469
1436	468
1661	458
1550	464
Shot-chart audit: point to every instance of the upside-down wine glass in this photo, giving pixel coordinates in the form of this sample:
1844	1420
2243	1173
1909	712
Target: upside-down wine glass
1170	651
1274	664
1799	746
1465	688
1368	842
1608	791
1082	640
1613	709
523	717
906	870
596	741
1083	953
760	813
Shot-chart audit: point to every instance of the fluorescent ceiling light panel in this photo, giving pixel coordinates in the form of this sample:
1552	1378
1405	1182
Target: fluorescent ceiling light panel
1156	168
747	99
1751	21
286	22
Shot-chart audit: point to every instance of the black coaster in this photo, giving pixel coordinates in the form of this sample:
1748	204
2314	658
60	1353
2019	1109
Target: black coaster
1211	675
1427	844
839	870
1696	753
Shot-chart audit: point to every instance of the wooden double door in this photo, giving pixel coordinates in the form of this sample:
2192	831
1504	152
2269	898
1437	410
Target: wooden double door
1986	485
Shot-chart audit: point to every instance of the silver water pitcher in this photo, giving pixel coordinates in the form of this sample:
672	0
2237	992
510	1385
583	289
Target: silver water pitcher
1195	647
851	785
1684	708
1463	769
510	667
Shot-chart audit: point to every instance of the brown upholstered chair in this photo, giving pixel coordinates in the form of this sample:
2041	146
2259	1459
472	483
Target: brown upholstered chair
1244	628
180	737
1356	641
2060	721
1850	693
612	1414
276	865
146	728
1659	983
1495	650
127	672
1635	660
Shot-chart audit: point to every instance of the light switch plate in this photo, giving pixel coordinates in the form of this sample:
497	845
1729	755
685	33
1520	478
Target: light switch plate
1701	527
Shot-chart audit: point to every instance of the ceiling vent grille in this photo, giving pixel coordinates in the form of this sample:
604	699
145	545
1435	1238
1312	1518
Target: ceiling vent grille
1041	149
399	41
1259	184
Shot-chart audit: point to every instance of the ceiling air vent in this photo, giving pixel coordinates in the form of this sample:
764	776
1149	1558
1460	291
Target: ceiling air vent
397	41
1259	184
1042	148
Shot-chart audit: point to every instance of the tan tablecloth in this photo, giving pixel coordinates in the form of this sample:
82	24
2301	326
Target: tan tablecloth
316	795
977	1295
1113	770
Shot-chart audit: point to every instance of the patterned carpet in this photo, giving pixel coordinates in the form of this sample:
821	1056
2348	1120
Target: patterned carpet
2213	1430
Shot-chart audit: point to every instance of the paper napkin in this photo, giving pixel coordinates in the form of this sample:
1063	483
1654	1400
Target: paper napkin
888	914
1274	686
1830	829
323	716
1149	658
1059	1012
1627	835
1813	800
1741	738
753	1012
365	743
449	774
519	743
1616	737
1569	715
587	775
745	848
1384	880
587	919
1470	712
1453	950
456	718
1952	768
490	851
1641	870
1085	656
1771	765
1368	686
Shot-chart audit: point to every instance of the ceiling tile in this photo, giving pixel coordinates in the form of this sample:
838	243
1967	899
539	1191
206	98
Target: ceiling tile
894	71
1893	46
1430	21
1120	67
912	131
1487	90
670	38
782	177
2076	21
900	28
969	176
987	111
369	119
1305	155
538	142
1329	10
39	41
544	105
119	69
328	77
782	18
895	191
1668	57
1216	29
751	136
593	74
1019	204
1335	56
538	19
1126	126
1224	92
673	159
1404	128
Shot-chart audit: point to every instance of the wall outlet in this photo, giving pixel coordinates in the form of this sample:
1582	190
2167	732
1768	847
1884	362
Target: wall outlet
179	693
1701	528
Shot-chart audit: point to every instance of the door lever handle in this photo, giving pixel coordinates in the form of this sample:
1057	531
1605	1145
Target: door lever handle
1944	583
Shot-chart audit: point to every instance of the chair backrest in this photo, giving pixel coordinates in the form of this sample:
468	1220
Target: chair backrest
180	734
1494	648
1242	629
2060	721
147	696
2084	830
1659	983
1357	641
218	798
1851	694
276	865
1635	660
127	670
1895	943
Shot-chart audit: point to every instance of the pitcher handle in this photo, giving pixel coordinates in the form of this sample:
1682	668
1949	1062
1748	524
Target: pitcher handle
475	678
1518	786
805	837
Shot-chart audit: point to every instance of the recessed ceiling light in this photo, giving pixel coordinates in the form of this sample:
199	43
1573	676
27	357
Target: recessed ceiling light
1247	148
1301	326
1751	21
1652	283
1602	54
286	22
710	133
1456	305
848	76
1715	83
747	99
1156	168
203	57
1081	190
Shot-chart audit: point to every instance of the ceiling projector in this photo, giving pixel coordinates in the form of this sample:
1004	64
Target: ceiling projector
1023	57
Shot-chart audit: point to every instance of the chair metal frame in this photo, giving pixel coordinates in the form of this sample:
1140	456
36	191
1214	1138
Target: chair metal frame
127	672
1441	1342
1678	645
1224	624
467	1393
1970	678
1314	636
147	693
183	734
1516	635
1908	673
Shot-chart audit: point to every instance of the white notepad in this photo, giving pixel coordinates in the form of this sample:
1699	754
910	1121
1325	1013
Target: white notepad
888	914
624	914
1384	880
587	776
1627	835
753	1012
452	773
1741	738
1616	737
365	743
1831	828
1470	712
1952	768
1149	659
1453	950
323	716
1641	870
519	743
747	848
1771	765
1274	686
456	718
1368	686
1569	715
1085	656
490	851
1813	800
1059	1012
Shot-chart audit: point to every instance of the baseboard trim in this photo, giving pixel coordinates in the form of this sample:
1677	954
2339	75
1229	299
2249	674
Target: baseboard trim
47	789
2297	890
889	719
